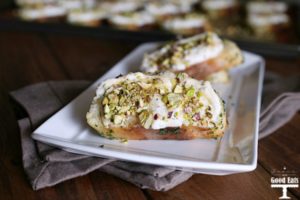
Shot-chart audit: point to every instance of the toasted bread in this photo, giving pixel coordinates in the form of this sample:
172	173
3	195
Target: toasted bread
199	56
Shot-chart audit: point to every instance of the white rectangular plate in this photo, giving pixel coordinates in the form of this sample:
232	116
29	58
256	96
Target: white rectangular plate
235	152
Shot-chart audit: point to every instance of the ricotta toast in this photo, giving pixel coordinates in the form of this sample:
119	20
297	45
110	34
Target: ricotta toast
200	56
166	105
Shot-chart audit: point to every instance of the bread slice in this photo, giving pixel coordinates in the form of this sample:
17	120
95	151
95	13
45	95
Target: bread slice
135	20
142	106
199	56
187	24
215	69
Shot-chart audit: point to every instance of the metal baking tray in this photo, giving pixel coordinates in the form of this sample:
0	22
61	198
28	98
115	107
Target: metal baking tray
8	21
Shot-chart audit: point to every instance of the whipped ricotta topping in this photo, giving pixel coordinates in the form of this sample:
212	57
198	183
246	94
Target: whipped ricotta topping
267	7
34	2
135	18
162	8
185	22
267	20
82	16
45	11
164	100
120	6
71	4
218	4
182	54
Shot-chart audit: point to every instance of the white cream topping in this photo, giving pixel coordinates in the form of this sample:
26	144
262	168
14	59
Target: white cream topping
85	16
137	18
267	20
267	7
71	4
120	6
160	8
166	117
34	2
184	22
197	54
218	4
45	11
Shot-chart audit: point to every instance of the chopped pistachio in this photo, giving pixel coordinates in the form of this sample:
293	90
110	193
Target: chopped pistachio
106	108
199	94
165	99
190	92
107	116
105	101
122	100
118	119
144	85
174	82
143	116
178	89
124	109
148	122
181	76
174	99
166	62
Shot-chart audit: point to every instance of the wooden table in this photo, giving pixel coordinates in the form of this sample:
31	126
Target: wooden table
27	58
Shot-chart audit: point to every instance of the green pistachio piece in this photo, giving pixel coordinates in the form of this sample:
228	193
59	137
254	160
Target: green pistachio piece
165	99
199	94
143	116
166	62
107	116
106	109
180	49
118	119
173	81
105	101
190	92
121	100
178	89
148	122
157	81
114	99
111	96
162	90
146	119
181	76
144	85
176	114
124	109
174	99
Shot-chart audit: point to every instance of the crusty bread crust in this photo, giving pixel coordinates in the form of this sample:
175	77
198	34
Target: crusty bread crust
133	27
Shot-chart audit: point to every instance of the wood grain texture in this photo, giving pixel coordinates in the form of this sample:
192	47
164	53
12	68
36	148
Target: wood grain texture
87	58
282	150
252	185
27	58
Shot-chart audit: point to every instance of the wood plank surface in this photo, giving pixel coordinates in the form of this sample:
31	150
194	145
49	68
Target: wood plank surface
27	58
252	185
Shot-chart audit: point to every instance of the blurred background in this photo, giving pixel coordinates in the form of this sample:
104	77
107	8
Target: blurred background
266	27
